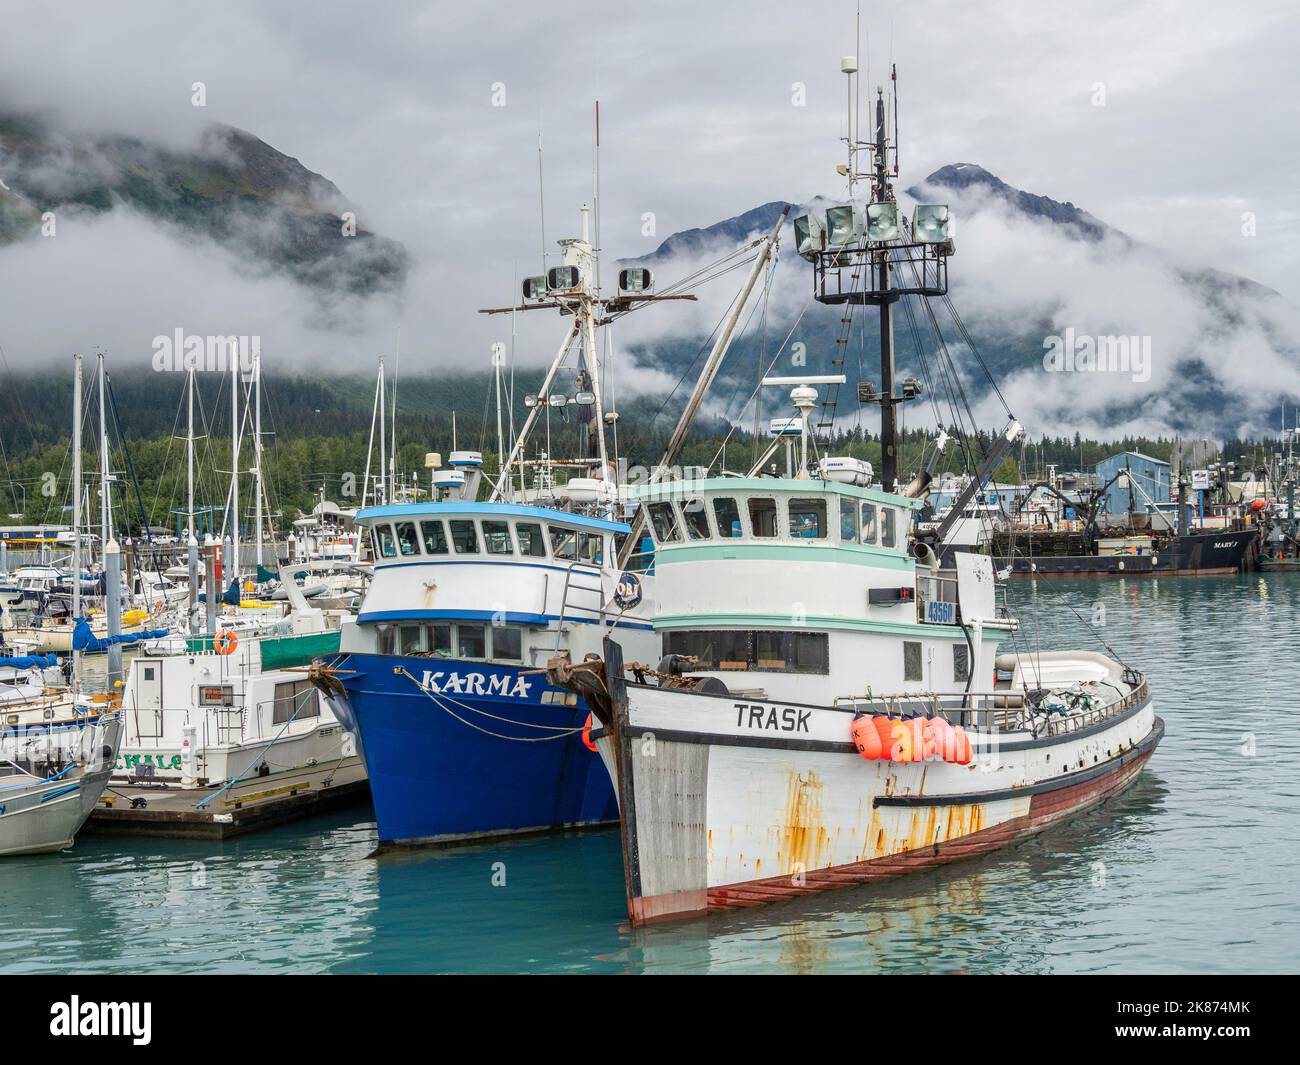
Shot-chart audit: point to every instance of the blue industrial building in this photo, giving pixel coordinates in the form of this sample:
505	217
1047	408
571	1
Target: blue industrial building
1150	482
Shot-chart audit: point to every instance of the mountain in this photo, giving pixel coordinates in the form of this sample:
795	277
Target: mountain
1027	268
231	188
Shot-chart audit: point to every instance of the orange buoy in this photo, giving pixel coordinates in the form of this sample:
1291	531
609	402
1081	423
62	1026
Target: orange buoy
946	740
963	751
884	729
225	642
865	737
901	748
586	736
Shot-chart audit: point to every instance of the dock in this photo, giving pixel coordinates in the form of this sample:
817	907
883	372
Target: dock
169	811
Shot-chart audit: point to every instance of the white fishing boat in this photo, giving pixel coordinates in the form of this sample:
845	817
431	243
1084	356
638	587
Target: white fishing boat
50	781
834	705
208	708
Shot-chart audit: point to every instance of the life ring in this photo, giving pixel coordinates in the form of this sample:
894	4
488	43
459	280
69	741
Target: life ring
586	736
225	642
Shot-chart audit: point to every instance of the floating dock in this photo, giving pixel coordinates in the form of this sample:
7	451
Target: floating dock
169	811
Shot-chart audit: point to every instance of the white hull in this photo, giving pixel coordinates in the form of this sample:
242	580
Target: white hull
728	801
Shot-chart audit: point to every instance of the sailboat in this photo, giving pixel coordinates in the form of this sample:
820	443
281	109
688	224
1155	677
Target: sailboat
833	705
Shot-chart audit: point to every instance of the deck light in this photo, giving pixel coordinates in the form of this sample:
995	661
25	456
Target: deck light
636	279
557	400
562	277
843	225
931	223
530	400
809	235
585	399
882	221
534	287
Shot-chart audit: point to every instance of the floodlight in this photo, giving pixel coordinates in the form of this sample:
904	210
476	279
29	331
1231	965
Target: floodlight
882	221
636	279
534	288
931	223
562	277
843	225
809	235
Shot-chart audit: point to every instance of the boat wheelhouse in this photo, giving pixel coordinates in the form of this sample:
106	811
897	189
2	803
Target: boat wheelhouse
439	675
773	585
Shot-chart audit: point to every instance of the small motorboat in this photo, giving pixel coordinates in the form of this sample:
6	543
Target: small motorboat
50	780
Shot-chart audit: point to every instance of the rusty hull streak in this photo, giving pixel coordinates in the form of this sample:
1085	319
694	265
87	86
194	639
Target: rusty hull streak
803	840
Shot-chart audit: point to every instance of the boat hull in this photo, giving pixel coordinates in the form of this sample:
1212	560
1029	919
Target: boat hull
1194	555
462	750
728	802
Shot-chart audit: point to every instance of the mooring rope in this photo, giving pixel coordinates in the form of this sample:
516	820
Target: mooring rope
561	731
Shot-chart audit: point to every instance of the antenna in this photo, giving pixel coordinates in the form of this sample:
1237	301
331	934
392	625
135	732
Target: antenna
541	193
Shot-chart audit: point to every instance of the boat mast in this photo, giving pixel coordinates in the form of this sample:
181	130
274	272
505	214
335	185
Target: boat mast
881	192
76	504
257	449
191	542
105	501
381	496
234	460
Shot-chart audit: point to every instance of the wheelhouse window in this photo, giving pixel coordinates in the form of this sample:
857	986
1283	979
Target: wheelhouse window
751	650
911	660
591	548
531	542
762	516
407	543
464	537
848	521
411	640
434	536
869	524
507	643
496	537
386	545
888	527
664	520
696	519
471	641
807	519
727	515
564	543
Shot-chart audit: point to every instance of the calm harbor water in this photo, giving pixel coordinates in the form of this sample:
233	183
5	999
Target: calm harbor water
1193	869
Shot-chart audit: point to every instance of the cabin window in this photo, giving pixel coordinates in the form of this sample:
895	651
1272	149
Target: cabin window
411	639
564	543
437	640
507	643
888	528
295	695
386	638
911	660
763	651
407	543
464	537
868	523
471	641
496	537
960	662
434	536
695	519
807	519
591	548
762	516
727	515
531	542
848	521
387	545
664	520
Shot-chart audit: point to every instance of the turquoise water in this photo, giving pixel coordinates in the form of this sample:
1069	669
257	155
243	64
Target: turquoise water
1194	869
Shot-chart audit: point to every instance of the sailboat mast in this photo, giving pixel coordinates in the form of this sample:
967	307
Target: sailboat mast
189	455
76	501
234	461
105	502
257	450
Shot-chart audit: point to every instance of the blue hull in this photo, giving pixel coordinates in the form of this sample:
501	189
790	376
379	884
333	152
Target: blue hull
444	765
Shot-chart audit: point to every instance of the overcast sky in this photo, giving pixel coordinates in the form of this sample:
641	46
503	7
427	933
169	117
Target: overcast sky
394	102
